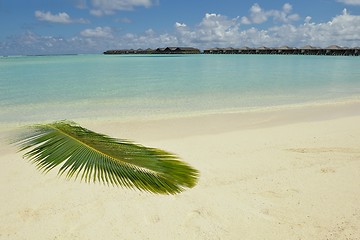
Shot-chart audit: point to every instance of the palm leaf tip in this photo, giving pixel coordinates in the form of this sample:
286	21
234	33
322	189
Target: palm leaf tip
81	153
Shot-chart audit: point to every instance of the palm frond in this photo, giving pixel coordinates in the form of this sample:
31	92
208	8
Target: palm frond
96	157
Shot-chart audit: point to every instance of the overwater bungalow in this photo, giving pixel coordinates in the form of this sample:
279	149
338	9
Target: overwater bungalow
243	50
332	50
230	50
263	50
309	50
167	50
212	51
178	50
286	50
335	50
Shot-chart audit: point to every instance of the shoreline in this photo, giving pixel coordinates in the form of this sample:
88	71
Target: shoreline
248	117
222	122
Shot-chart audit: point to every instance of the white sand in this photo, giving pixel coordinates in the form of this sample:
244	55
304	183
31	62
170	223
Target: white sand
283	174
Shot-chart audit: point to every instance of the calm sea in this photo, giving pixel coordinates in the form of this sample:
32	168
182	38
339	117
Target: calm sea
38	88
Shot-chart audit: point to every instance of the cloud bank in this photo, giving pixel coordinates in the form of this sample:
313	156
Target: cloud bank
214	30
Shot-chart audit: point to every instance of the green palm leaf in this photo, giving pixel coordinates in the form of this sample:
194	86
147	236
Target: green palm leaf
96	157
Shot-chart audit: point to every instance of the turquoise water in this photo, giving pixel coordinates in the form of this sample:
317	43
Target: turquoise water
37	88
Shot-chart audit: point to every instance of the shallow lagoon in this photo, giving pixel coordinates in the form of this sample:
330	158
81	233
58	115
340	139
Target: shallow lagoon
39	88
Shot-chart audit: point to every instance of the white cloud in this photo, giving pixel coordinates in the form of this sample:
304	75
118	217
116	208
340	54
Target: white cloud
341	30
107	7
150	39
180	25
214	28
31	43
98	32
350	2
62	17
245	20
49	17
287	8
259	15
307	19
219	31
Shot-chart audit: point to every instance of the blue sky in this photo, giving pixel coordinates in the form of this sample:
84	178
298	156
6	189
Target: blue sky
93	26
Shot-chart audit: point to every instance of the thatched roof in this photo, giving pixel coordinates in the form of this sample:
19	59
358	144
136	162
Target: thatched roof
262	48
285	47
334	47
308	47
187	48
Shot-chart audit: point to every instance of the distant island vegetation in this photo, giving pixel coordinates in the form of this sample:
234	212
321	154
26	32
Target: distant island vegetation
332	50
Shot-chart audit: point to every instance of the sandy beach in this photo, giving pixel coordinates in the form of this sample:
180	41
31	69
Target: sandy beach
289	173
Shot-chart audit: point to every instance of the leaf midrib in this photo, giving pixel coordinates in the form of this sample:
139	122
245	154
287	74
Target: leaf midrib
102	153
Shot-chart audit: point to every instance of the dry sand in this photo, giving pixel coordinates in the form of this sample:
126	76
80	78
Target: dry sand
279	174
